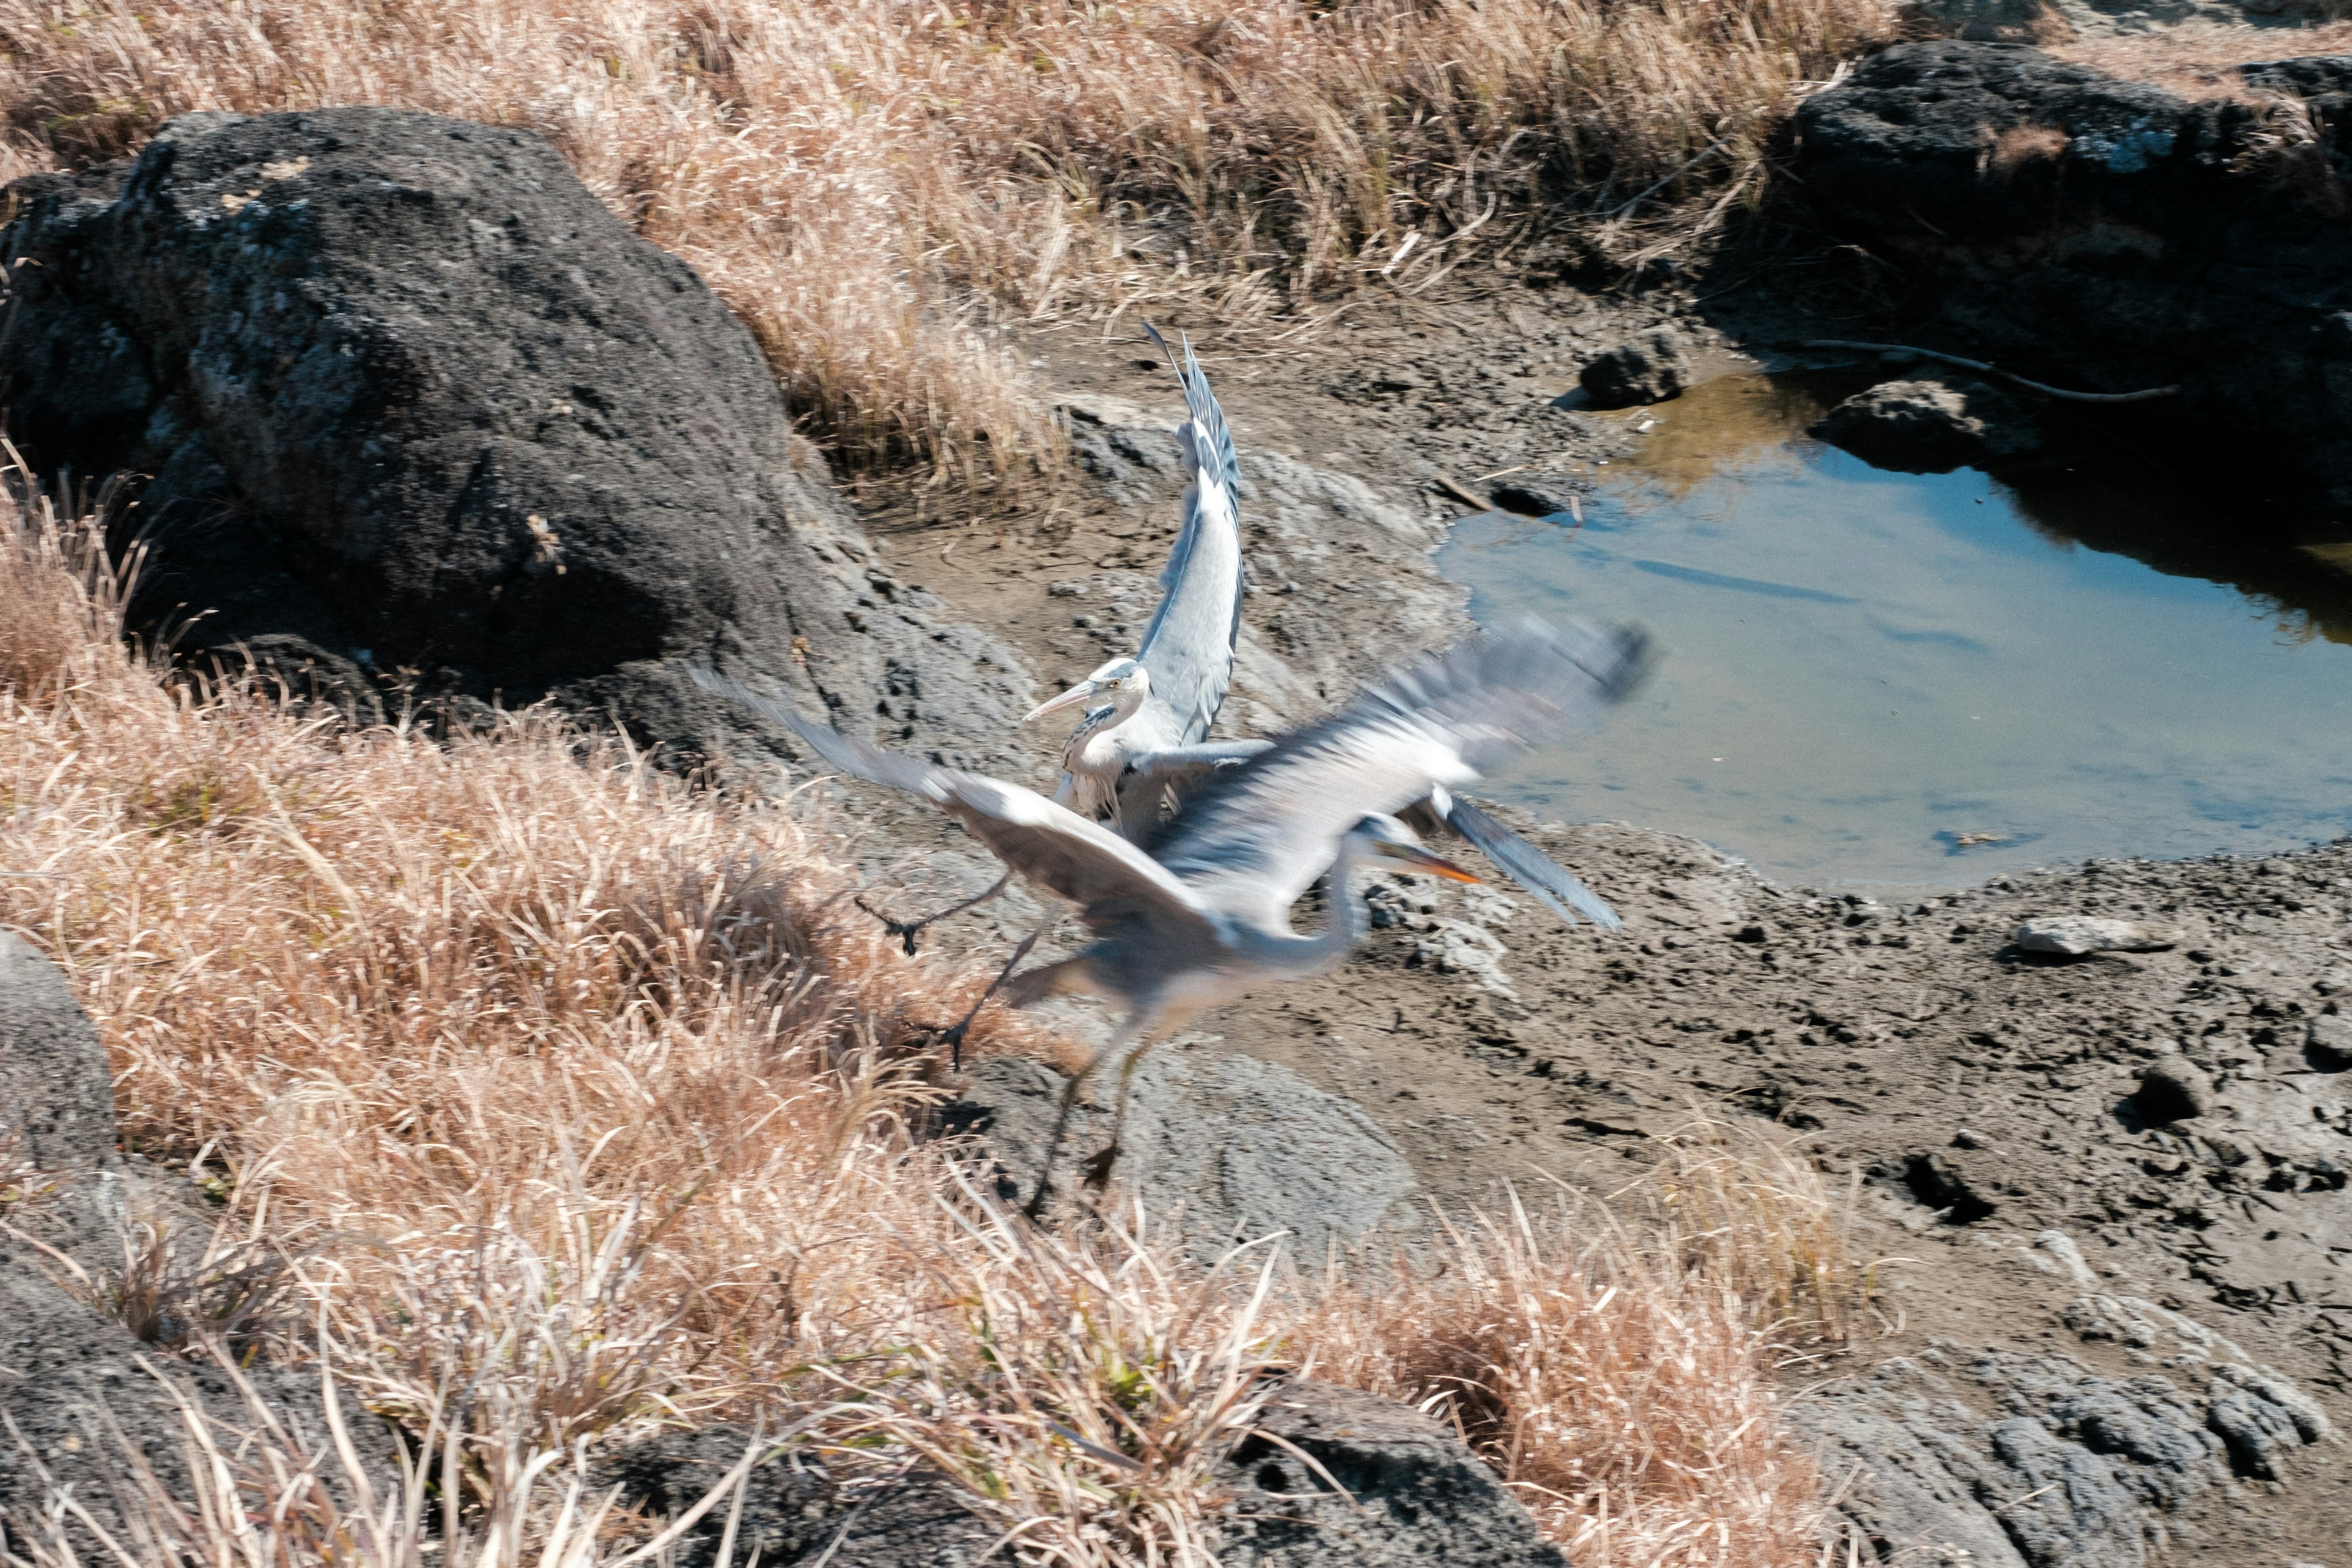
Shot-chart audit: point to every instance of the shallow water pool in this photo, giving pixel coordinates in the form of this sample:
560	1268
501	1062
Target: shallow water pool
1876	678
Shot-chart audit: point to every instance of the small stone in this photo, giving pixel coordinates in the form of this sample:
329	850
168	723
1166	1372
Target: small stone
2328	1042
1968	1138
2074	936
1649	367
2172	1089
1066	590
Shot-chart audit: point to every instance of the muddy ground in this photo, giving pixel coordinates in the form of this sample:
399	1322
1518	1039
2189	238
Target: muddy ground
1981	1096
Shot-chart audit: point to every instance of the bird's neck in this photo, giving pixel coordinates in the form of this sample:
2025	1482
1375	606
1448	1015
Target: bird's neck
1097	732
1349	925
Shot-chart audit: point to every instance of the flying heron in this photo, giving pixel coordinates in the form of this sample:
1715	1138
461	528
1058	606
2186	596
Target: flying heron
1201	913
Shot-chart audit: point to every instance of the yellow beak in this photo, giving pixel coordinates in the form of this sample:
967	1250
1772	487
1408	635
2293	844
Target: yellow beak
1422	860
1070	698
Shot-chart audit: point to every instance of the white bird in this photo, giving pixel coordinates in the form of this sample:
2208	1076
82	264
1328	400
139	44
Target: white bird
1204	915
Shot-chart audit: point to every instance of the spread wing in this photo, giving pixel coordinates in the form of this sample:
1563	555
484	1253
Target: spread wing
1530	867
1188	648
1115	884
1252	840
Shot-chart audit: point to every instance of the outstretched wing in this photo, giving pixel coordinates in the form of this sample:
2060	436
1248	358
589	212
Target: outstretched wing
1115	884
1188	648
1529	867
1255	837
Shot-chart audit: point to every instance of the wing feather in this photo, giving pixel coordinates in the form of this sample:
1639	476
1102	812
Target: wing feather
1188	648
1115	884
1255	837
1560	889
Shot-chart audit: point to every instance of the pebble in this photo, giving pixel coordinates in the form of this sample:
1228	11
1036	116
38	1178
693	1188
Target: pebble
2172	1089
2330	1040
2076	935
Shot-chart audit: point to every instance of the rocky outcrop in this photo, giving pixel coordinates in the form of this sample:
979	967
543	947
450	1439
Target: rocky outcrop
2108	235
418	410
2012	1459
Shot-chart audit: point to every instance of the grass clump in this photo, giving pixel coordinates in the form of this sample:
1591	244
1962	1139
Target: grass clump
550	1102
882	188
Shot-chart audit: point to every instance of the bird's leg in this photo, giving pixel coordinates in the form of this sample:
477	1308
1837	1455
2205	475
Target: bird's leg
1098	1168
953	1038
1136	1028
906	931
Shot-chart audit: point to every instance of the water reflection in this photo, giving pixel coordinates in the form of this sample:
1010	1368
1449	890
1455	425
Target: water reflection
1922	678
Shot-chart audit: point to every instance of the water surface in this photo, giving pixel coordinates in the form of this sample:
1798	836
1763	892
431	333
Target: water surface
1923	679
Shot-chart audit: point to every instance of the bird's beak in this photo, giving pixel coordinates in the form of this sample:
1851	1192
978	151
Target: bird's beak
1422	860
1070	698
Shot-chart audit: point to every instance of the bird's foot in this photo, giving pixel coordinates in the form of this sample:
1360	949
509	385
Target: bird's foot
952	1038
905	931
1098	1168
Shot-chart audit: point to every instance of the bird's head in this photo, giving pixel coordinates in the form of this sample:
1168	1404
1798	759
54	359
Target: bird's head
1386	836
1122	680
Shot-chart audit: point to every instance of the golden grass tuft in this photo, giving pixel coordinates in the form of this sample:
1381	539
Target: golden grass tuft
883	187
550	1100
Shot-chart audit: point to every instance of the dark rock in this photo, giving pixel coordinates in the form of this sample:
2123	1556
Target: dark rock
1421	1496
1936	1181
2173	1088
793	1511
1648	368
413	399
2327	1041
1928	427
55	1093
2108	235
1946	1445
65	1367
1232	1147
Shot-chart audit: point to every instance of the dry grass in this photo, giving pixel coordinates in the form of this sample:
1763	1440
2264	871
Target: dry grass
1604	1356
880	186
559	1100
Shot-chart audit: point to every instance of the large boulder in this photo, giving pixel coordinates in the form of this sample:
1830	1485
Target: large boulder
411	399
2108	235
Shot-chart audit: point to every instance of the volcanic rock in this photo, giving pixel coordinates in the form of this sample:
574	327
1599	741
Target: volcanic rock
419	411
2109	236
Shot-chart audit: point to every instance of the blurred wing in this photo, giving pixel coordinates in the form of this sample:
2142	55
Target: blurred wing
1530	867
1157	783
1112	881
1255	837
1188	648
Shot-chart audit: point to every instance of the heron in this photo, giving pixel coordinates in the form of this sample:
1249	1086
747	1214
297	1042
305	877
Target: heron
1165	699
1199	914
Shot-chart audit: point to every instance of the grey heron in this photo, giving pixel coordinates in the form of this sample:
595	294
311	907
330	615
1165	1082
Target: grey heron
1163	700
1201	913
